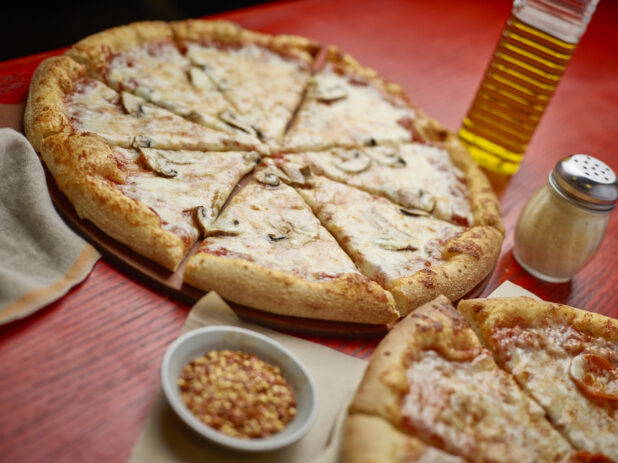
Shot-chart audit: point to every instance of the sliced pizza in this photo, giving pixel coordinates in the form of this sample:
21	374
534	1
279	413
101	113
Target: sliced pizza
262	76
154	201
565	358
410	253
416	176
268	251
348	105
64	99
143	58
431	378
372	439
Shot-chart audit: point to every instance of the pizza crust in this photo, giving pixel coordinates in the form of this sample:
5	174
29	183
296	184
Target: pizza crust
228	33
51	82
370	439
96	50
349	298
484	314
86	172
470	258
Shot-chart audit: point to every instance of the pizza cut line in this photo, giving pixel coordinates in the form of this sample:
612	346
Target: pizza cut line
353	205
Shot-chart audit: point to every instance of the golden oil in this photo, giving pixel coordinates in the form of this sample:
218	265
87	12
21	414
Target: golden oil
522	76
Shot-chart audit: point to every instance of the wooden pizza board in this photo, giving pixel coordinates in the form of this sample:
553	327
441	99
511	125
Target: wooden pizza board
170	283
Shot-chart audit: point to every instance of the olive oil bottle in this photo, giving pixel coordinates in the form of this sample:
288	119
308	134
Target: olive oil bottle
535	47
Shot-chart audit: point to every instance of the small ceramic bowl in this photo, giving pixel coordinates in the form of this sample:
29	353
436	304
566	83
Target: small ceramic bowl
200	341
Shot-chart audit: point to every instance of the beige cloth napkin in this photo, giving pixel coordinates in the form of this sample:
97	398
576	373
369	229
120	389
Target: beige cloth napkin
40	257
166	439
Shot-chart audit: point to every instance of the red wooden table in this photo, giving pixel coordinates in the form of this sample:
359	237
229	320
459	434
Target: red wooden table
77	378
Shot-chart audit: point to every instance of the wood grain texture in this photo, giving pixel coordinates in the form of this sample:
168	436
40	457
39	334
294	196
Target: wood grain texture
77	379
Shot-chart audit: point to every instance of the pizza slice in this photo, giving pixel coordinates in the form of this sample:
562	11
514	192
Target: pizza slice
348	105
410	253
262	76
416	176
268	251
565	358
143	58
372	439
431	378
153	201
64	99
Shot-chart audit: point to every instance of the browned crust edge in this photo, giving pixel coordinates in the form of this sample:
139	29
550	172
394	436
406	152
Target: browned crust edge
485	314
350	298
470	258
229	33
371	439
96	50
51	82
86	172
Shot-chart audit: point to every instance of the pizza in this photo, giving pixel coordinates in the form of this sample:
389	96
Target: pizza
283	175
435	386
577	352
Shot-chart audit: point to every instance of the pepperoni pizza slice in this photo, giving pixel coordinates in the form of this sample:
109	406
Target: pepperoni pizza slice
430	378
565	358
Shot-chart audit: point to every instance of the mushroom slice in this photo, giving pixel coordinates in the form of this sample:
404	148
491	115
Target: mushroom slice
414	198
153	96
269	176
158	163
205	217
595	376
386	156
237	121
391	238
356	163
290	235
414	212
200	79
142	141
135	105
297	175
327	89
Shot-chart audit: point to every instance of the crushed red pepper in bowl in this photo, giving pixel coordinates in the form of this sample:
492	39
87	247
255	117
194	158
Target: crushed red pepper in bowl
237	393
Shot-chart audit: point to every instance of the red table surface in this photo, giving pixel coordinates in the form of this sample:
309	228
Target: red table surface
77	378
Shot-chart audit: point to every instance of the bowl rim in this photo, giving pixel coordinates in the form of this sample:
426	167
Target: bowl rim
272	442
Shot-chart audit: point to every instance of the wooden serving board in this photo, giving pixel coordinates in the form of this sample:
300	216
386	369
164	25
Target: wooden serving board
171	283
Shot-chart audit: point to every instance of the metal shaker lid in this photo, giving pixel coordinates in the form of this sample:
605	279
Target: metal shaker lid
586	182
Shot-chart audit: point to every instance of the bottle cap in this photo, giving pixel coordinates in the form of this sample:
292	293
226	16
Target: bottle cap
586	182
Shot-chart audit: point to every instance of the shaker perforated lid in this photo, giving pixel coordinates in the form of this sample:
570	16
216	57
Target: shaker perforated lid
586	182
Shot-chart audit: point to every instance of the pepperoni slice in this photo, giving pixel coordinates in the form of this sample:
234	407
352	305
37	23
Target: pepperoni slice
595	375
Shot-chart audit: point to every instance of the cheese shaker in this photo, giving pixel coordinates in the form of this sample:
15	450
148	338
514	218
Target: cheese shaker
563	223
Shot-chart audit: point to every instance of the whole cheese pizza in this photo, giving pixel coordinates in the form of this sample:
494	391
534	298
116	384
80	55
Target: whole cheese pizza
500	380
282	174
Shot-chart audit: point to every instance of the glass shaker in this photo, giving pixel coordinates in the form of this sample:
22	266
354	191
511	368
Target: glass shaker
535	47
562	225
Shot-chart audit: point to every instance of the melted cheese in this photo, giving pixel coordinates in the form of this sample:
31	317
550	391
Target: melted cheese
273	227
159	73
476	410
261	84
361	116
403	172
93	107
202	179
540	359
384	243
